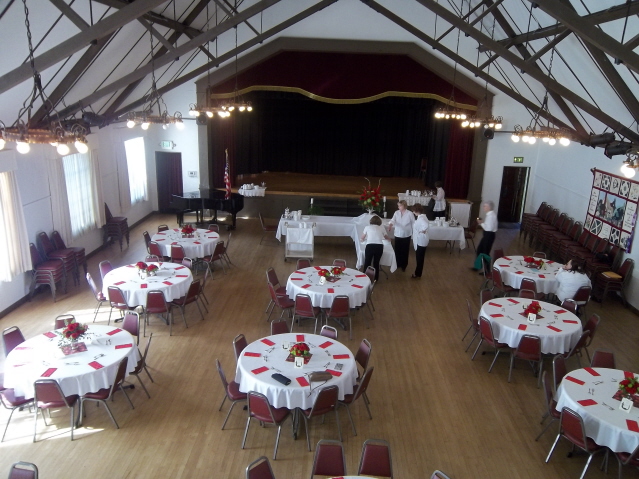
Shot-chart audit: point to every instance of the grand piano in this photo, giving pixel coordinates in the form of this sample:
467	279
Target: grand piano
207	199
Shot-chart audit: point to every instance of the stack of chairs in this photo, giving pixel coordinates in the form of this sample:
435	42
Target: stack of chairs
115	227
80	256
48	251
547	236
530	223
46	272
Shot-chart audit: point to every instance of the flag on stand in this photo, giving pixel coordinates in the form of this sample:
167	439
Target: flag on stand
227	177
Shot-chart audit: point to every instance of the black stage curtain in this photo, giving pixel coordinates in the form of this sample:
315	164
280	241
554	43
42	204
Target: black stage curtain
290	132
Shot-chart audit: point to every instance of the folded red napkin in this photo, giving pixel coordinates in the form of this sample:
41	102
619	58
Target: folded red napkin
49	334
124	346
48	372
592	371
268	342
523	327
259	370
22	347
180	267
175	229
334	373
571	321
341	356
160	239
575	380
297	279
557	330
560	311
587	402
174	243
181	275
299	338
519	272
302	381
495	304
306	286
317	268
252	355
360	276
299	272
514	301
95	365
550	262
497	315
143	286
209	231
211	237
196	242
357	286
325	345
628	375
331	290
115	331
119	283
161	233
632	425
506	258
168	283
542	275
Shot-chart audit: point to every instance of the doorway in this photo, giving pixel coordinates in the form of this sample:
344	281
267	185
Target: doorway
512	198
168	168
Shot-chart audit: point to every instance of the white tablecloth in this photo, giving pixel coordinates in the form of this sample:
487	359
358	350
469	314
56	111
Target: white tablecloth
513	270
41	355
447	233
413	200
202	244
388	256
257	191
172	279
559	330
591	397
460	210
352	283
268	353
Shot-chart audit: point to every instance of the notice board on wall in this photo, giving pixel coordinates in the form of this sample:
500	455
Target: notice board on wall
612	210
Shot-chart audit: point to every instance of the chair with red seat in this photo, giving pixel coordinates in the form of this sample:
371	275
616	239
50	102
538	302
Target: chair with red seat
328	332
577	348
80	256
104	394
117	301
260	409
11	337
528	349
282	301
49	395
572	429
474	325
155	250
131	324
141	366
23	470
162	228
303	263
214	228
147	239
190	297
470	232
46	272
177	253
260	469
12	402
627	459
225	251
363	356
67	256
487	272
325	403
266	228
486	331
485	295
551	404
62	320
279	327
239	344
581	297
339	262
531	284
340	309
105	267
99	296
231	392
151	258
218	255
304	309
496	254
115	227
559	371
570	305
591	325
603	359
360	391
499	284
615	281
329	460
271	277
376	459
156	304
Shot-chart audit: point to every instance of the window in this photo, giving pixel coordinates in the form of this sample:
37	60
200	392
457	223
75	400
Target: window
136	164
78	179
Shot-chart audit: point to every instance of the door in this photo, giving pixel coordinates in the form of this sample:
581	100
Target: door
514	186
168	167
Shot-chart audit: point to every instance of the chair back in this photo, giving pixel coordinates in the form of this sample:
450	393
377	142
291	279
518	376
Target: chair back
376	459
131	323
329	332
271	277
11	337
370	272
151	258
147	239
497	253
259	469
154	249
363	355
45	243
582	295
239	344
48	391
105	267
116	296
363	384
583	341
326	401
303	263
162	228
497	279
339	262
96	292
486	330
62	320
177	253
23	470
340	307
214	228
529	348
119	375
625	271
192	293
107	212
220	371
439	475
279	327
58	242
156	302
603	359
559	370
218	251
329	459
259	407
279	300
572	427
570	304
485	295
471	316
36	259
591	325
529	283
304	306
527	293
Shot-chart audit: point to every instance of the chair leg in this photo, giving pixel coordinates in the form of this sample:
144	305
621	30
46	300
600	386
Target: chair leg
277	441
198	308
348	410
142	384
552	449
228	413
545	429
471	341
8	421
512	360
127	398
339	428
248	423
477	349
308	441
497	351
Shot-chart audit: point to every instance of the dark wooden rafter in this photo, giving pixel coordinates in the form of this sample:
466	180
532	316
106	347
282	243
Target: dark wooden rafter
465	17
231	10
168	45
68	12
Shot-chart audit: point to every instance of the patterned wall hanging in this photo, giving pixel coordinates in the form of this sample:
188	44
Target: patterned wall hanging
612	211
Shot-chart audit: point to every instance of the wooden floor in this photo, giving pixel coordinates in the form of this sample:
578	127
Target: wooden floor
436	407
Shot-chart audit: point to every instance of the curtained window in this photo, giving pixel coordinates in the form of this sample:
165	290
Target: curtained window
14	241
80	193
136	165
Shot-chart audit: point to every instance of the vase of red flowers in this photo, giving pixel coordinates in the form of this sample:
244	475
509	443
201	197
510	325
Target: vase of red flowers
535	263
299	350
152	270
187	231
533	308
72	333
371	198
142	268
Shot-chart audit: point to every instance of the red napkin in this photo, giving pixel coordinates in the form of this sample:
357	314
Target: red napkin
325	345
268	342
592	371
632	425
175	229
542	275
299	338
48	372
506	258
49	334
124	346
143	285
571	321
557	330
360	276
550	262
168	283
341	356
306	286
497	315
209	231
523	327
162	234
519	272
119	283
334	373
181	267
628	375
302	381
357	286
259	370
575	380
587	402
211	237
95	365
196	242
181	275
297	279
495	304
514	301
252	355
299	272
317	268
160	239
560	311
331	290
115	331
22	347
174	243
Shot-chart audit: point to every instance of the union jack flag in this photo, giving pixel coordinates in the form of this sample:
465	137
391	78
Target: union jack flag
227	177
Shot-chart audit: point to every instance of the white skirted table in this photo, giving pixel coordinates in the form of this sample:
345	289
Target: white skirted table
351	283
513	270
200	245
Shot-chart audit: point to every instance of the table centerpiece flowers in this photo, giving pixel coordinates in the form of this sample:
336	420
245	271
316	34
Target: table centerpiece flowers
151	270
142	268
371	198
299	350
533	308
187	231
532	262
70	336
628	388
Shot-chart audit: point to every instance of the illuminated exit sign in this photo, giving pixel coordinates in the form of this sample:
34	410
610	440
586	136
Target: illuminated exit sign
518	159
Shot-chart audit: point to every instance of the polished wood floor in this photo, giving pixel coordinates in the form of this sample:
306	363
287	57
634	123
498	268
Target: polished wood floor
436	407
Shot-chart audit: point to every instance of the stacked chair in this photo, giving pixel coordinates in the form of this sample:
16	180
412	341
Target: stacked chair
48	251
115	227
80	257
46	272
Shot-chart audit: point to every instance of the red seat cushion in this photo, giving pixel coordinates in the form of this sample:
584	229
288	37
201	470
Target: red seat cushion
234	392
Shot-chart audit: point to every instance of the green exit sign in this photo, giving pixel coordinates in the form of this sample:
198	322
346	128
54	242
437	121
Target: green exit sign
518	159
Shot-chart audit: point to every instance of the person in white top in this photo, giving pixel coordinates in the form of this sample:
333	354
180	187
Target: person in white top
374	235
402	223
420	239
440	201
489	225
570	279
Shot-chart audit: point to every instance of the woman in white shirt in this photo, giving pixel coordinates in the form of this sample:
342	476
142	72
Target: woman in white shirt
420	239
570	279
489	225
374	235
402	222
440	201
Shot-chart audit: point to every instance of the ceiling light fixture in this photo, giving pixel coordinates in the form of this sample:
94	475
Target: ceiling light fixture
450	111
630	164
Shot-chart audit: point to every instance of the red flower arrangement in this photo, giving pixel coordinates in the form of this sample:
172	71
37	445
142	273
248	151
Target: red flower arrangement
188	229
324	273
141	265
72	332
299	350
371	198
533	308
337	270
533	262
629	386
151	268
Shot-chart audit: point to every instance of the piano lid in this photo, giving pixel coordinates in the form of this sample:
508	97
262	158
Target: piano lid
208	193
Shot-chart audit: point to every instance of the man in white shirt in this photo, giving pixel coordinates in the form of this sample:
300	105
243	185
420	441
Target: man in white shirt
420	239
489	225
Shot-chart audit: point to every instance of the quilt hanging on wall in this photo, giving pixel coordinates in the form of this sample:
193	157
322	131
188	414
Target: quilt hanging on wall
612	211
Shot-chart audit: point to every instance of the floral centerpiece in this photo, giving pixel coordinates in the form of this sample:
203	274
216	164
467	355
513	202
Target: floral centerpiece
152	270
324	273
188	230
337	270
371	198
628	388
141	266
533	262
534	308
71	334
299	350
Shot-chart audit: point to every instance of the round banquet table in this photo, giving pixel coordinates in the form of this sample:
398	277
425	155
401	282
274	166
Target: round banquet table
266	356
202	244
351	283
513	270
172	279
558	329
78	373
590	392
